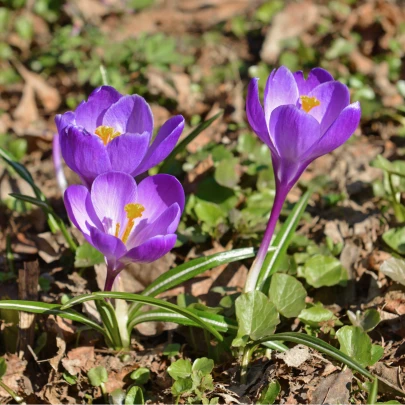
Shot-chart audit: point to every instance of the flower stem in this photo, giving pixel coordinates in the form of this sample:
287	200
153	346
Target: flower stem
254	272
246	357
110	278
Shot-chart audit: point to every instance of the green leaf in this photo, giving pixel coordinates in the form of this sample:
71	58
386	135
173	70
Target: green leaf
219	322
209	213
320	271
270	393
315	315
97	376
226	173
366	320
256	315
377	352
395	239
395	269
134	396
323	347
3	367
181	386
87	256
140	376
355	343
282	240
203	365
32	200
101	295
49	309
182	145
287	294
180	369
69	378
171	350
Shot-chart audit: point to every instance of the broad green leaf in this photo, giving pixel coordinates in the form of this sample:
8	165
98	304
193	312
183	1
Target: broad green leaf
256	315
366	320
395	269
87	256
355	343
315	315
270	393
226	173
181	386
287	294
101	295
181	368
140	376
395	239
182	145
282	240
203	365
321	271
134	396
320	345
49	309
377	352
209	212
3	367
97	376
390	167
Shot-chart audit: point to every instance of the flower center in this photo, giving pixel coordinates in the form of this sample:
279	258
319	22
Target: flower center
308	103
106	133
133	211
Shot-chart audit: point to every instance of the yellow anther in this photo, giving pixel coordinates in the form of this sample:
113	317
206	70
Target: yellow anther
308	103
133	211
106	133
117	229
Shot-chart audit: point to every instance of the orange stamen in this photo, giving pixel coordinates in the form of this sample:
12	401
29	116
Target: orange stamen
106	133
308	103
133	211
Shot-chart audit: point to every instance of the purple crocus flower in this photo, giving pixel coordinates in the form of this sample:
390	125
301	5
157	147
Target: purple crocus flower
113	132
302	119
125	221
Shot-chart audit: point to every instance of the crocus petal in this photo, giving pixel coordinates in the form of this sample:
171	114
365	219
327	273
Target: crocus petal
84	153
166	223
163	144
293	132
80	209
338	133
151	250
130	114
90	114
255	113
63	120
110	193
316	77
281	89
334	97
127	151
159	192
110	246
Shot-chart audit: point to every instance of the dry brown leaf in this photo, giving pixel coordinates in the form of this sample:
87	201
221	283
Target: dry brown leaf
292	21
296	356
79	359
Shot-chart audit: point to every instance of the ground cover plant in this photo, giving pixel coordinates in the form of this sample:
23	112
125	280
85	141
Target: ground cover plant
202	202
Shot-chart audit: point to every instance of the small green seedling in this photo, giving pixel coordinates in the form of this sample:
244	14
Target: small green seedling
98	376
193	380
269	393
140	376
133	396
366	320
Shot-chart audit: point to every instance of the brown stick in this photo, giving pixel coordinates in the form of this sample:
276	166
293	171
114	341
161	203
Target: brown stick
27	290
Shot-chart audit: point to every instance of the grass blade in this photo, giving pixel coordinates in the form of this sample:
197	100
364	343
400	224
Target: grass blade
182	145
49	309
144	300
